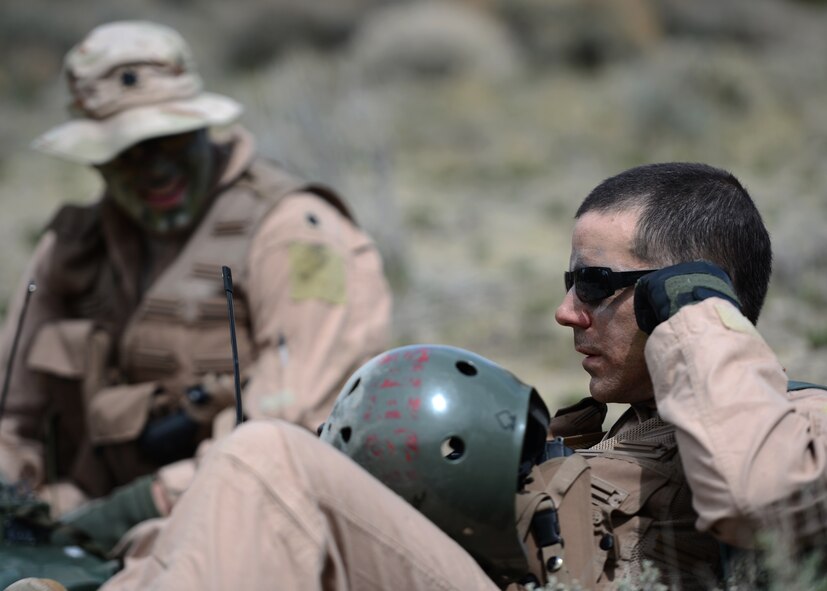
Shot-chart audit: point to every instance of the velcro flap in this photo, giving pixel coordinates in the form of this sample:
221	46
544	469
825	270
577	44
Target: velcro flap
59	348
119	413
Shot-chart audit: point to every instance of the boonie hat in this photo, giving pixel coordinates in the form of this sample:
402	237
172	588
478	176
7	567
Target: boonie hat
131	81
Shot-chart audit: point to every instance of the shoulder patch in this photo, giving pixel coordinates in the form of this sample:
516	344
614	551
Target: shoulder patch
316	273
733	319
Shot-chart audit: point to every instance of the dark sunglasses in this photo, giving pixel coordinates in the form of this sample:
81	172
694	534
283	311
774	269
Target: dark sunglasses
592	284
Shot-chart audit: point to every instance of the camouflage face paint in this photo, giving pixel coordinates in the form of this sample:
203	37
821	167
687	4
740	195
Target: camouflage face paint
162	183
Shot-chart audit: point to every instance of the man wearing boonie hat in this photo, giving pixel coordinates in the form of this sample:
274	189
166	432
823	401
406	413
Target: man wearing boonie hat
124	360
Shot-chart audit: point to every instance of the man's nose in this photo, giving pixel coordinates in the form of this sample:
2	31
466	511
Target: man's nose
571	312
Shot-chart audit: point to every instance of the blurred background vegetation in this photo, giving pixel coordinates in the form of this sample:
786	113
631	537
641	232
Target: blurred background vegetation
465	134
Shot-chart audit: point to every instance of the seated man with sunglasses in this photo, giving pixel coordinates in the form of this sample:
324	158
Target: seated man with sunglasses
669	267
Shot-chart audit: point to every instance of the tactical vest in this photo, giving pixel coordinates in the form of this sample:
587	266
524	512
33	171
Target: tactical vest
639	508
178	331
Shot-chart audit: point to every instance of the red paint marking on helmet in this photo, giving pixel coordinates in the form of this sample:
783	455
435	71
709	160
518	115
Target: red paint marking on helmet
420	362
371	442
393	414
400	430
416	382
414	404
391	446
412	443
388	358
389	384
391	402
366	416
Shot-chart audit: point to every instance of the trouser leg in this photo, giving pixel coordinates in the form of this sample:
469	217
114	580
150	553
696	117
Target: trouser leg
273	505
372	538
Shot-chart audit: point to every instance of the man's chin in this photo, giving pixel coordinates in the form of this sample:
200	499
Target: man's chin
602	392
168	223
610	393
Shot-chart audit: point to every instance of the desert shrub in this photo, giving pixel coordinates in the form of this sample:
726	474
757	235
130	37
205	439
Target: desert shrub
32	48
432	39
585	35
751	22
817	337
777	574
262	32
800	247
693	94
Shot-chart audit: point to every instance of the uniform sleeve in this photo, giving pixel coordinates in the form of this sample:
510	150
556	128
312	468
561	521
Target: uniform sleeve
754	457
20	451
319	307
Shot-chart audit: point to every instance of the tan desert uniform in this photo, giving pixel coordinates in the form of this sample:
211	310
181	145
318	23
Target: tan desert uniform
754	455
306	517
641	507
114	338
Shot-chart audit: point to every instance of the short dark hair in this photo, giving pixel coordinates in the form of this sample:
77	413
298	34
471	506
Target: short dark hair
689	212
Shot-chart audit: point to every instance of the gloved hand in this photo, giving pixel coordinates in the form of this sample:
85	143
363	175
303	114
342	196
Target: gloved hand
659	295
107	519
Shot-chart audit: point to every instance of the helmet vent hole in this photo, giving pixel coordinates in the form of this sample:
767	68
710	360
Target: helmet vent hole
452	448
466	368
354	386
345	432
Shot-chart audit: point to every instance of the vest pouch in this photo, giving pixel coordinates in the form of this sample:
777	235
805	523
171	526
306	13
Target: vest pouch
567	481
633	494
538	529
118	414
60	348
68	357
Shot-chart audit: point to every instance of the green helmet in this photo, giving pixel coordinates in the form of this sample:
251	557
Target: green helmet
453	434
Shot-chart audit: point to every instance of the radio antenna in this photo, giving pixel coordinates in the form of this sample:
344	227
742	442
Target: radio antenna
30	289
227	275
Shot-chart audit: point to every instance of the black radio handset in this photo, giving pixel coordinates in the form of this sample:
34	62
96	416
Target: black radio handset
30	289
228	290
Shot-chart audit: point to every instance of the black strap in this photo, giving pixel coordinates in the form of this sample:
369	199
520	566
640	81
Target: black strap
546	528
556	448
795	385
